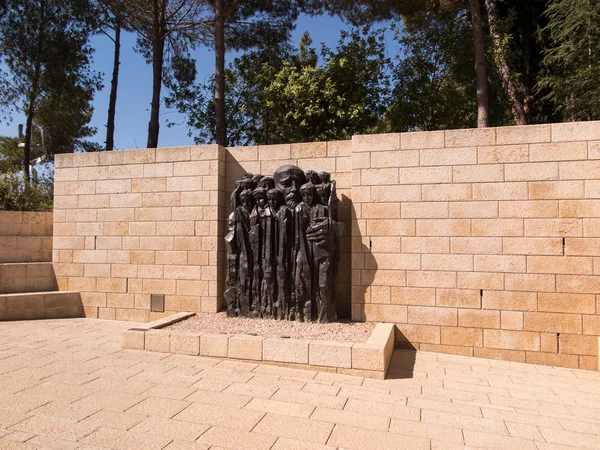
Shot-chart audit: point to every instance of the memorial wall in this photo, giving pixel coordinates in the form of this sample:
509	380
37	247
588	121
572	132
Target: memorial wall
482	242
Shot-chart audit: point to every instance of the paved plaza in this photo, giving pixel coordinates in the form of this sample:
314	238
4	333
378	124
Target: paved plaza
67	384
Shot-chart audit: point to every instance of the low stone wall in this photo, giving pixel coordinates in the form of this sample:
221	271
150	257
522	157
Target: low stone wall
370	359
25	236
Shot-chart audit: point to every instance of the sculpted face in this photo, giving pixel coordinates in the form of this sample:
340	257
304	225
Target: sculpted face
323	190
260	197
288	180
246	200
308	193
273	199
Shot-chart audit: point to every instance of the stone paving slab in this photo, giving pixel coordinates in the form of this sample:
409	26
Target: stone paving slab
67	384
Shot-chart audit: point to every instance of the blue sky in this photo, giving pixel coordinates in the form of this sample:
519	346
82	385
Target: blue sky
135	86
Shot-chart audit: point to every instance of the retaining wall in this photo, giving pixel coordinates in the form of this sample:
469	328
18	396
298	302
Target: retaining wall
478	242
25	236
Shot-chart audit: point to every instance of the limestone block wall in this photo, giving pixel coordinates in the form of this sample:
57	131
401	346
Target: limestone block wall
481	242
128	224
334	157
25	236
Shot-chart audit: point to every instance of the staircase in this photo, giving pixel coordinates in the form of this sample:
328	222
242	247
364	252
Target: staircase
28	290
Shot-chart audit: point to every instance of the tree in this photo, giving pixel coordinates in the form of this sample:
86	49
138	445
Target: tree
166	30
242	26
295	98
434	81
572	61
509	82
10	155
111	22
368	11
46	54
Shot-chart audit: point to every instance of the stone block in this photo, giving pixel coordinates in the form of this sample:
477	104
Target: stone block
480	280
422	139
476	246
478	318
432	316
470	137
553	322
500	263
527	134
511	320
398	158
446	262
133	339
448	156
385	313
215	345
376	142
512	301
466	337
184	343
423	175
422	210
330	354
512	340
563	151
460	298
413	333
286	350
575	131
246	347
443	227
447	192
567	303
368	357
573	265
500	191
157	341
484	173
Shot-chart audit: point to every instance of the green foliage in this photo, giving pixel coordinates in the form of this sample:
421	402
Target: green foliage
46	71
16	194
435	81
572	61
280	95
10	155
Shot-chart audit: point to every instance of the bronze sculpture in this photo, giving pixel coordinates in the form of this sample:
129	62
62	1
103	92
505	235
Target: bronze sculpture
282	246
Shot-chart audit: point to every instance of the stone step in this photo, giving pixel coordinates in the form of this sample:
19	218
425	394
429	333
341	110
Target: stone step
27	277
40	305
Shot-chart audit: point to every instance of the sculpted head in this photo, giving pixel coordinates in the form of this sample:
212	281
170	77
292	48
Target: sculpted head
288	180
260	197
323	191
308	191
273	196
247	200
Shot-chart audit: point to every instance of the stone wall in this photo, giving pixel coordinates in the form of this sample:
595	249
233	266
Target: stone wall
482	242
25	236
129	224
477	242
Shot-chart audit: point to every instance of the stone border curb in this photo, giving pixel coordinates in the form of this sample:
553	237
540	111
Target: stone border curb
370	359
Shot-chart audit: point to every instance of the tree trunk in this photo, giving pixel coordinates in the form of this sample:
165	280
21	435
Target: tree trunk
480	69
221	123
158	45
506	76
112	103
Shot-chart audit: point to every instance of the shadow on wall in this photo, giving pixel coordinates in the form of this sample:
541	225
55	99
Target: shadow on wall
236	168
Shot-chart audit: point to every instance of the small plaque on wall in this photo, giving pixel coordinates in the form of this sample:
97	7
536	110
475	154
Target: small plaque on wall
157	302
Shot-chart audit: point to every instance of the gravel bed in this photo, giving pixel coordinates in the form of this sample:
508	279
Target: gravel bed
343	331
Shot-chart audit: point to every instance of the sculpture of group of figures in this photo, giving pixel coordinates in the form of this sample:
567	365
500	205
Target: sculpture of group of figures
283	246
